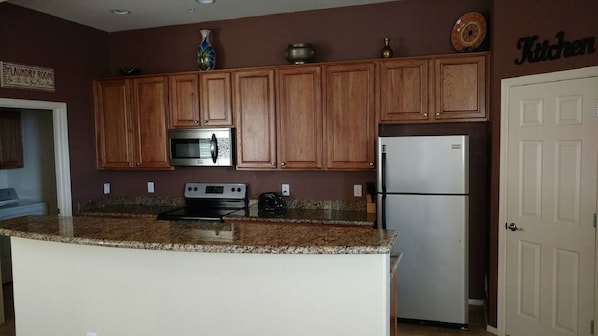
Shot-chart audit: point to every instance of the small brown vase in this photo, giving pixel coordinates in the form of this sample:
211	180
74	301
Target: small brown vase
386	51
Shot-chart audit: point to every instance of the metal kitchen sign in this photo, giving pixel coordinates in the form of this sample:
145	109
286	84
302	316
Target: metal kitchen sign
18	76
532	50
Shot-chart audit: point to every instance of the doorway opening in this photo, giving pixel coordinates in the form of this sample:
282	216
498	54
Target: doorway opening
63	198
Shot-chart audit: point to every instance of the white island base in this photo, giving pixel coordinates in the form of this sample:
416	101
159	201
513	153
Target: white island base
72	290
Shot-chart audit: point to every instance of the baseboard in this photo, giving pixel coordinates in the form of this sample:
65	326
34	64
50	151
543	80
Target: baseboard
491	329
476	302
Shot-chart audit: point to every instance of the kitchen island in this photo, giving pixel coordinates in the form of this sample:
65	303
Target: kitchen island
137	276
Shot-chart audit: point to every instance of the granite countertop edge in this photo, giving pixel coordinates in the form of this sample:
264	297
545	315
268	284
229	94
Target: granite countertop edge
379	247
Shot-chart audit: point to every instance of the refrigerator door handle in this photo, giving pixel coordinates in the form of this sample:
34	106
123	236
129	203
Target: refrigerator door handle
383	182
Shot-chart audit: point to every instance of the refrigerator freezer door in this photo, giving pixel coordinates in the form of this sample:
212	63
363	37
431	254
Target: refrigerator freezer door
423	164
432	235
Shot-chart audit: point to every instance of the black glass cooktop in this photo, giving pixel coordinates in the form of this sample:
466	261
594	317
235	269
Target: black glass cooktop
195	213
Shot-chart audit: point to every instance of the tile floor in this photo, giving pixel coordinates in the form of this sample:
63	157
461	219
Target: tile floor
477	324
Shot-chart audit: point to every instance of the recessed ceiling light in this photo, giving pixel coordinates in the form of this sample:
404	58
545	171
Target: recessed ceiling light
120	11
205	1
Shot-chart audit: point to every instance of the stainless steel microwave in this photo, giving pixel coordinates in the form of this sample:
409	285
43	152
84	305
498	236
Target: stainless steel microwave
202	147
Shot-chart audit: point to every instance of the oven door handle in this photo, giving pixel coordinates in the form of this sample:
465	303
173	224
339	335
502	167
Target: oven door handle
214	148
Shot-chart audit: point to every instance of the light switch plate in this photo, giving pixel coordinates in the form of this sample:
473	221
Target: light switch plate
150	187
106	188
357	192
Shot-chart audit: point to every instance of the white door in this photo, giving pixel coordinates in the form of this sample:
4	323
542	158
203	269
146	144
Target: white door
549	179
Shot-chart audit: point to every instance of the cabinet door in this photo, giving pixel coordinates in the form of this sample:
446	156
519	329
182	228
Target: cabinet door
405	90
254	108
300	118
150	103
349	116
114	124
216	109
11	142
461	88
184	100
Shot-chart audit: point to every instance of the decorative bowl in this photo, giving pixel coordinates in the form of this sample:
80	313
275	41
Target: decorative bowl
300	53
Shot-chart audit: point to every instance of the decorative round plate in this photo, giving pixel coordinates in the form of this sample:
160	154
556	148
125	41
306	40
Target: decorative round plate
468	32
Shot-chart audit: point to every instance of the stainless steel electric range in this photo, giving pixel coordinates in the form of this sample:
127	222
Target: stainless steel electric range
210	201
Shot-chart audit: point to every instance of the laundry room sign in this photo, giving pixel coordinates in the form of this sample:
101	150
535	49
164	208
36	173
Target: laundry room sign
18	76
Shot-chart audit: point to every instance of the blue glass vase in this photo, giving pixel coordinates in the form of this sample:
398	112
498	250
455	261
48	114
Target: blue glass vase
206	55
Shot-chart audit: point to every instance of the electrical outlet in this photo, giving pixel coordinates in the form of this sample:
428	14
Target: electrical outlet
106	188
357	192
286	190
150	187
89	333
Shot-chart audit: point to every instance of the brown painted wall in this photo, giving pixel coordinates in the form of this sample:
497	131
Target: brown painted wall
513	19
77	54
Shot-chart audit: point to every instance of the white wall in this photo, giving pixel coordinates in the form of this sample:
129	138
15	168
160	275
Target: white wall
69	290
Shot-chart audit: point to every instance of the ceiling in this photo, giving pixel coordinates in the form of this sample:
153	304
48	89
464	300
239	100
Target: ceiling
158	13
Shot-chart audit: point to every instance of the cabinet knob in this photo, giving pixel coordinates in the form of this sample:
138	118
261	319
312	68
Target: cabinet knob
425	114
196	121
282	164
205	122
137	163
437	113
371	163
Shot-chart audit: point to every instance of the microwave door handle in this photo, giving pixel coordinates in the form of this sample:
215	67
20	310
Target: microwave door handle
214	148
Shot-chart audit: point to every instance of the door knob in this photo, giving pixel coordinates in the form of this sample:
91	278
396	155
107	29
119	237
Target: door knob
513	227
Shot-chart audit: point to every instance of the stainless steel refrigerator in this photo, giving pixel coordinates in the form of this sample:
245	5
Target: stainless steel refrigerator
423	193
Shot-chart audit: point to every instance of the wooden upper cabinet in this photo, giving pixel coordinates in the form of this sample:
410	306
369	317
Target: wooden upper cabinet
405	90
215	99
349	116
150	106
11	141
300	117
461	88
444	88
200	99
130	117
254	110
114	124
184	100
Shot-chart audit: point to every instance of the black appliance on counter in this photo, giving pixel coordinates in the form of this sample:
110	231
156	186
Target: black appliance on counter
210	201
270	201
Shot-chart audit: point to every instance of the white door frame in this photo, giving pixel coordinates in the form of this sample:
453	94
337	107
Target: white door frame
506	85
61	147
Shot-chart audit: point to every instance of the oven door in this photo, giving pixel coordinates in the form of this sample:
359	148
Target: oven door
201	147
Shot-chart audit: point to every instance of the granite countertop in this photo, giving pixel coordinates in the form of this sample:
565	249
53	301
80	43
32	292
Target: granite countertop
297	211
305	216
194	236
126	206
